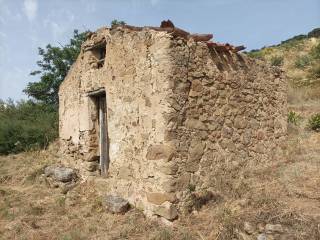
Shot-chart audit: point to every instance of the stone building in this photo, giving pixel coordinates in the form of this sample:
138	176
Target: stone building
161	112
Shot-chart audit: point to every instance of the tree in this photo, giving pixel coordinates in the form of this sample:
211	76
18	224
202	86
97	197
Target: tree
54	66
115	22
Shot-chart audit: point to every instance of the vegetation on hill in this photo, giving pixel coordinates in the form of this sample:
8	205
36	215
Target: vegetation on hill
298	56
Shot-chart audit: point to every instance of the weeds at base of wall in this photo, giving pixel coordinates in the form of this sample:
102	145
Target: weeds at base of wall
314	122
294	118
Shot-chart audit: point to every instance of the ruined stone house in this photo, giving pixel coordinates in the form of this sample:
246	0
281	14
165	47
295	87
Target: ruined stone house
161	112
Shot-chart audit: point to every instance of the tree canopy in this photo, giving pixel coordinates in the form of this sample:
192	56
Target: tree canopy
54	65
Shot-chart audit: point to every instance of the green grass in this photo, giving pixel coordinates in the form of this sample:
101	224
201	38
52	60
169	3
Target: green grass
294	118
303	61
276	61
314	122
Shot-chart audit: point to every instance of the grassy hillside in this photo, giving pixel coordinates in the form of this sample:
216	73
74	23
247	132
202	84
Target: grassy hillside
299	57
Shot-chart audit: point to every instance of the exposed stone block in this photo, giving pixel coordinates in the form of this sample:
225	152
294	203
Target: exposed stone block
116	204
169	168
59	173
166	210
177	184
160	151
159	198
196	151
195	124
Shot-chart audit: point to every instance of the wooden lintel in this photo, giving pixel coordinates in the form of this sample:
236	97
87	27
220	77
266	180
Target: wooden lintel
201	37
101	60
96	46
98	92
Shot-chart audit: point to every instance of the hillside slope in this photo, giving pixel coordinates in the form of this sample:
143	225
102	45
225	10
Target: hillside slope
299	57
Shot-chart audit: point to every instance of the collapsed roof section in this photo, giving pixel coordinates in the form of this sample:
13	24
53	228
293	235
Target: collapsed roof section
169	27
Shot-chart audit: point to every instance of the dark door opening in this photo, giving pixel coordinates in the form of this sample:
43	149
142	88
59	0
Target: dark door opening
99	97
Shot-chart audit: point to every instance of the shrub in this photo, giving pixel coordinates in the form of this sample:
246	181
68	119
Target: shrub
276	61
294	117
315	52
115	22
315	71
314	33
314	122
302	61
26	125
256	54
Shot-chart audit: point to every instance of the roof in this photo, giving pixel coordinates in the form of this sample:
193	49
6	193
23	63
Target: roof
169	27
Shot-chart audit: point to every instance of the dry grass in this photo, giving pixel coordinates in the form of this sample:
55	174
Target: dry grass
286	192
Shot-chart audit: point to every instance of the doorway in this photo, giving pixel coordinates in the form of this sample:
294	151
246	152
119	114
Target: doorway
99	97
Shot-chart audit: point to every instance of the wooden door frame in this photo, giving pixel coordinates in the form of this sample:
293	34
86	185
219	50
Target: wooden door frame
100	97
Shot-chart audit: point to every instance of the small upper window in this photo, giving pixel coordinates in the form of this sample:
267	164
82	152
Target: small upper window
100	53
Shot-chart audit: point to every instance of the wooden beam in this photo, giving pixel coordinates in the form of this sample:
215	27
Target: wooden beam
167	24
240	48
96	46
103	145
201	37
96	93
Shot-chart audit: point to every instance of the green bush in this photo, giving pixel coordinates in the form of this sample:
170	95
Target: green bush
314	122
294	117
26	125
303	61
276	61
315	71
315	52
116	22
256	54
314	33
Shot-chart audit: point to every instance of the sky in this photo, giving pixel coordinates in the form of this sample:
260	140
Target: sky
26	25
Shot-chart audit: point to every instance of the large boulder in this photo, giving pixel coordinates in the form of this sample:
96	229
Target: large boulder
60	174
116	204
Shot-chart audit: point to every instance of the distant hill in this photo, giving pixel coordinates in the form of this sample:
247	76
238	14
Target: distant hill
298	56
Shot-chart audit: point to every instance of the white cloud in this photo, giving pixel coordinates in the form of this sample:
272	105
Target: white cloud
30	9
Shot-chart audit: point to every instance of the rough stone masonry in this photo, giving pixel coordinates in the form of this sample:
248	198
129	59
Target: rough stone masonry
179	113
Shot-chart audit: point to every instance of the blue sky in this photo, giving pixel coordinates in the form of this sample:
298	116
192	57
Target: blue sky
26	25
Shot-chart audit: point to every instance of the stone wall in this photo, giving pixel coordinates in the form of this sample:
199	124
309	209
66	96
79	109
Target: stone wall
229	113
134	76
180	115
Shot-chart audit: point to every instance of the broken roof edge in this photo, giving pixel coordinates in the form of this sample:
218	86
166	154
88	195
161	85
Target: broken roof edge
168	27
